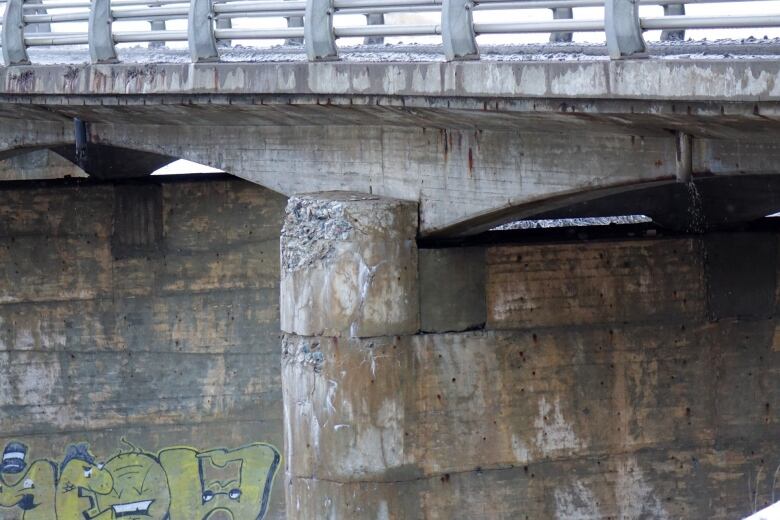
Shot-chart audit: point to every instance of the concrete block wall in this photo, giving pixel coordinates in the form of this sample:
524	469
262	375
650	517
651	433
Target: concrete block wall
141	318
609	379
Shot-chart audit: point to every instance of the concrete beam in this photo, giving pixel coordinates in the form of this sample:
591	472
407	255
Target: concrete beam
37	165
19	136
465	181
457	176
753	79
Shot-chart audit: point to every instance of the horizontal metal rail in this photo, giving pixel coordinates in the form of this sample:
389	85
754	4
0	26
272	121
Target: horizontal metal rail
35	23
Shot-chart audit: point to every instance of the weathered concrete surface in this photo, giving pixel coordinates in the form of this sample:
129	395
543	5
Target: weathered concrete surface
466	180
23	132
601	387
144	310
718	80
38	165
475	144
452	285
349	266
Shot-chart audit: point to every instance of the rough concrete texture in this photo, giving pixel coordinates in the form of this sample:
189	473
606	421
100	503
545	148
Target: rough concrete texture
608	392
457	174
349	266
452	289
146	311
38	165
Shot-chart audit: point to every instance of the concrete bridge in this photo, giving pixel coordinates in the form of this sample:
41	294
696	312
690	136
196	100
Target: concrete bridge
428	369
476	144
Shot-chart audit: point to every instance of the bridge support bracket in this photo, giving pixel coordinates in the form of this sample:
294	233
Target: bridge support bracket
623	29
101	40
14	48
318	35
200	33
457	30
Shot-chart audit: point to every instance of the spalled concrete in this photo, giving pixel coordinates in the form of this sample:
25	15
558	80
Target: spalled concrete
349	266
602	385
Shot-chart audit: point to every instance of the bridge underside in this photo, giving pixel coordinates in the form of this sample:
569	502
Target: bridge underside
469	169
475	144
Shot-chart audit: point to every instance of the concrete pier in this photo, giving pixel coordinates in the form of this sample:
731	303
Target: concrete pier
622	378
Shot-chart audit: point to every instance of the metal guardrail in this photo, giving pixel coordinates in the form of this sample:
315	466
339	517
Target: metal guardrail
28	23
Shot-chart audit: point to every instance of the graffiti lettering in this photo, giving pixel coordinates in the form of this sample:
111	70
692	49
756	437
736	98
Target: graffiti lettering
177	483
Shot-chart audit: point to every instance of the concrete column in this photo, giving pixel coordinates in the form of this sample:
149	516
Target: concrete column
349	299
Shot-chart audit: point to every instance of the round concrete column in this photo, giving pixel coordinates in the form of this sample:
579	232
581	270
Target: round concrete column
349	303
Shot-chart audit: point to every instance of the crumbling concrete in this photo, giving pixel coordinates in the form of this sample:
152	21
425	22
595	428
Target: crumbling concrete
349	266
601	386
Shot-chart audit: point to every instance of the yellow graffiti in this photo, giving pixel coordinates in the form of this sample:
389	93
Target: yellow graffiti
31	491
79	481
177	483
220	481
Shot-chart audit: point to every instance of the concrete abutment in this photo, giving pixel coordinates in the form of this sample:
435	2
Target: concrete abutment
622	378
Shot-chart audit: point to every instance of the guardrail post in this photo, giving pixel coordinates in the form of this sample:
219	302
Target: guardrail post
200	33
374	19
562	13
318	35
157	25
294	21
457	30
38	27
673	36
101	41
14	49
224	23
623	29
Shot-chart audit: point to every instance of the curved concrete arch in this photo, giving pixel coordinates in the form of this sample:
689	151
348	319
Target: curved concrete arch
100	161
466	181
707	203
456	175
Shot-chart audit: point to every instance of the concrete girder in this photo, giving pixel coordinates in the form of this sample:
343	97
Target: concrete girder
19	137
22	137
475	143
37	165
465	181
